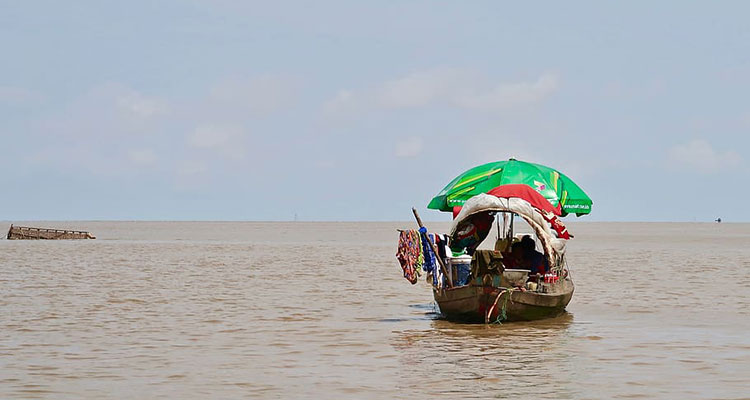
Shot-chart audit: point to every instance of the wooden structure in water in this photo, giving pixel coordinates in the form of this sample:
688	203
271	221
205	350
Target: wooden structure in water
28	233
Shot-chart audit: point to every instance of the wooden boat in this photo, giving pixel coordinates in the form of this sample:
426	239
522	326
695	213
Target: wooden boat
29	233
489	295
478	303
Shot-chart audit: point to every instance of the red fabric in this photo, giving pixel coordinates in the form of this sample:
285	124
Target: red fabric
557	225
408	253
456	210
527	193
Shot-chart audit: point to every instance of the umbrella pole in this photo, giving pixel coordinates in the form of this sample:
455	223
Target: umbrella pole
497	222
434	249
505	224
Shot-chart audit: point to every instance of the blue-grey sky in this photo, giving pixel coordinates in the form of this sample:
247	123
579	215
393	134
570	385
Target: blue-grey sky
341	110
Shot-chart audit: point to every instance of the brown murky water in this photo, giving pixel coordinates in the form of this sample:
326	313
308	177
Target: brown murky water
320	310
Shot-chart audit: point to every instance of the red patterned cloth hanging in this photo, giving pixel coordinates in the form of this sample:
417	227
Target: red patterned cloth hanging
409	254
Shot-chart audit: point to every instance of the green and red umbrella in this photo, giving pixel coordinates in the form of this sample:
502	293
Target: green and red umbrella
553	185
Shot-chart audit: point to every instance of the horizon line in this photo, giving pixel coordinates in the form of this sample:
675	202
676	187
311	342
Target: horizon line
342	221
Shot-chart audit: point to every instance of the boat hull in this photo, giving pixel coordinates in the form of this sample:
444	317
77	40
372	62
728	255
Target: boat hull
471	303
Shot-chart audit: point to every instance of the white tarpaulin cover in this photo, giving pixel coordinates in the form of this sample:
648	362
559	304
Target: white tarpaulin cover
553	247
485	202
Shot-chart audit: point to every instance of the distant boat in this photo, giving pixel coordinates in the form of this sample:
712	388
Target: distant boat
29	233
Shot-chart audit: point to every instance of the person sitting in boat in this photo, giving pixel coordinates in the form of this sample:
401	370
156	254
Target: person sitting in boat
514	259
533	260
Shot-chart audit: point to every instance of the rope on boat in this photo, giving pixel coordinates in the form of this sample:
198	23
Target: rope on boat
501	316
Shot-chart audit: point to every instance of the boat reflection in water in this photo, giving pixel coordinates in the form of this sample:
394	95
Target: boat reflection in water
490	360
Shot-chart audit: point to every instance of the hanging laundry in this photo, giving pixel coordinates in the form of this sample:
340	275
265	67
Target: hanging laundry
428	255
438	279
420	258
471	232
409	254
441	247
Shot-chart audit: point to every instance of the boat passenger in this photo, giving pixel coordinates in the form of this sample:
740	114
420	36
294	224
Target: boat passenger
514	259
533	260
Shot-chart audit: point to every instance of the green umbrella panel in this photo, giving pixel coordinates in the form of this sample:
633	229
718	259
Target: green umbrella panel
550	183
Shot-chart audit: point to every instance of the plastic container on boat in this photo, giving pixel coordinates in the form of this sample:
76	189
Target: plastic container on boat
515	277
461	269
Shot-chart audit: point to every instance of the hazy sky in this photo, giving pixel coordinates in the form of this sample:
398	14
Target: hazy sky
357	110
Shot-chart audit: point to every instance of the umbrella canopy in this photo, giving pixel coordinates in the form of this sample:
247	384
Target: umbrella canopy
553	185
527	193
